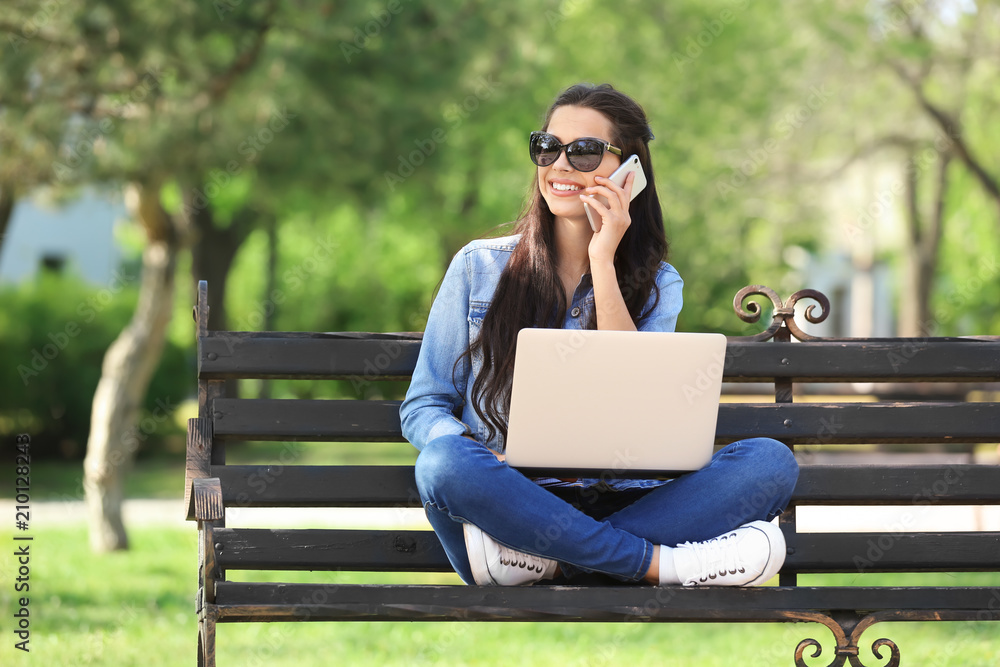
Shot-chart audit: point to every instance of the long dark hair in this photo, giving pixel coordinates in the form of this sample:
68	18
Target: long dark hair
529	292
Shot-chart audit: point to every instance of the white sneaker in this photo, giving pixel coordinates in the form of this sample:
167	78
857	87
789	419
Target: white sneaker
747	556
496	565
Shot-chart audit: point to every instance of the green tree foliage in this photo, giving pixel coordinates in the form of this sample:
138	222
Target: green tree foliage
54	331
381	136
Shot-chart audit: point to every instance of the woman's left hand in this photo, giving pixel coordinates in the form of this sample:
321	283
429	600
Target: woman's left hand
615	217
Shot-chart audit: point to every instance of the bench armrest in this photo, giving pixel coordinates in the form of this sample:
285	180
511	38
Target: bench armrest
205	500
202	492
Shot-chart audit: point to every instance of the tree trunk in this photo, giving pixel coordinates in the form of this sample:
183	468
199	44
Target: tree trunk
6	209
916	317
212	256
125	374
270	312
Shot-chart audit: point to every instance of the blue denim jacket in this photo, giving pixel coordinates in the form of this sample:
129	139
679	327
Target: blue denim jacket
439	402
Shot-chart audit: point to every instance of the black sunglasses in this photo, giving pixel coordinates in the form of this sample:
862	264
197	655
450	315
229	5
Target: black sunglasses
583	154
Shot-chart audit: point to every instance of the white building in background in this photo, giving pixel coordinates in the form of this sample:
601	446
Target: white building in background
865	225
76	237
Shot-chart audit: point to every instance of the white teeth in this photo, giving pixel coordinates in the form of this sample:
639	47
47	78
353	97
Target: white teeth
564	187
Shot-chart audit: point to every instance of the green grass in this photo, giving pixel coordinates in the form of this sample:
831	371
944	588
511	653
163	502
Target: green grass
137	608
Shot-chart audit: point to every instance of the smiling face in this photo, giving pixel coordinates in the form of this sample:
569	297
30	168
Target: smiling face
561	184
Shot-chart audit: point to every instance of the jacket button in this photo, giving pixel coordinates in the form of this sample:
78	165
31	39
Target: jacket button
575	312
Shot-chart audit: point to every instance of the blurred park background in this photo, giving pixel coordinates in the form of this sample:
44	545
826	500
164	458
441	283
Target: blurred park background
319	163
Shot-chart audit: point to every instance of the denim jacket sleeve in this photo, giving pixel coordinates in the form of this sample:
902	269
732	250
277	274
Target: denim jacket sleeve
662	316
436	391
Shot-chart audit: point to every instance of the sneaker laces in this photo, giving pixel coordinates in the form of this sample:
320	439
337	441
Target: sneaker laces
529	562
716	557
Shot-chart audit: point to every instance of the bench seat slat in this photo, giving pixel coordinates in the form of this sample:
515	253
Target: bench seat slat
419	550
799	423
239	601
394	486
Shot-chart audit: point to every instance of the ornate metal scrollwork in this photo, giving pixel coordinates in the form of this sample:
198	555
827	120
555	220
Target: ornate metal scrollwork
784	313
847	646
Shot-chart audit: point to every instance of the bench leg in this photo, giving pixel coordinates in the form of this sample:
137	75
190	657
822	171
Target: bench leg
206	641
847	628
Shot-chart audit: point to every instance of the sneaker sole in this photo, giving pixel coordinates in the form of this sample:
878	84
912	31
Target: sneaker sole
776	539
476	553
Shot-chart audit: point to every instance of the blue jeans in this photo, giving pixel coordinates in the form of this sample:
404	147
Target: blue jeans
596	529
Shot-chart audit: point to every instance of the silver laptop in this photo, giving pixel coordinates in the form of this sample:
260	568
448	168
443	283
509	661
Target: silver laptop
614	403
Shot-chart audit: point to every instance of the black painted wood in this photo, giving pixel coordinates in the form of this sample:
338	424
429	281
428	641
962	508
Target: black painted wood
356	357
329	549
417	550
318	486
798	423
394	486
323	602
893	550
307	420
917	485
853	423
362	357
863	360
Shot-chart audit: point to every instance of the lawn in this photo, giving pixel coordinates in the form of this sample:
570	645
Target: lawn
137	608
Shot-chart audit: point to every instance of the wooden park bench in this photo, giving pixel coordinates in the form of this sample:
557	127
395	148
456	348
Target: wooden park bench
212	486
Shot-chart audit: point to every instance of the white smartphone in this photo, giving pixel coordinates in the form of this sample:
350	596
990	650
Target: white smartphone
618	178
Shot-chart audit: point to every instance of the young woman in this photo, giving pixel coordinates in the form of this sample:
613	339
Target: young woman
499	527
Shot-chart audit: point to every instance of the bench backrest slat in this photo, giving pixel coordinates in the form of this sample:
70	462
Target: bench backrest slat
307	420
799	423
318	486
887	360
225	355
851	423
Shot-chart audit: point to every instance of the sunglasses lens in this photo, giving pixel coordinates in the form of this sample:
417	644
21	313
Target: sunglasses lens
543	148
585	154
